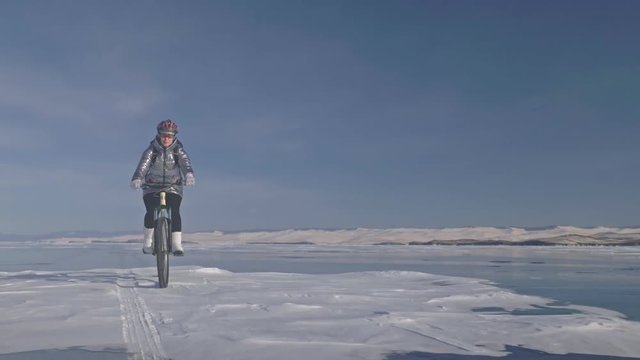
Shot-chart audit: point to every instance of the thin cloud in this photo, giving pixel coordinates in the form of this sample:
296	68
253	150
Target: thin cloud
24	176
37	92
259	134
20	138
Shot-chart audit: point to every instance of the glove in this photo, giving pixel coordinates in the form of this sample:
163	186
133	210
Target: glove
190	179
136	184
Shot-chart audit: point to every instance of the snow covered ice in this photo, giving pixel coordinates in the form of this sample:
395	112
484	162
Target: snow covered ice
290	316
212	312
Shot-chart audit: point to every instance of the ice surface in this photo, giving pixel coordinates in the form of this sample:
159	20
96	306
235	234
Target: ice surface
314	302
214	313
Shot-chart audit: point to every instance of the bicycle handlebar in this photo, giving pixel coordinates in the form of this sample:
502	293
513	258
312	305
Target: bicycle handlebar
159	187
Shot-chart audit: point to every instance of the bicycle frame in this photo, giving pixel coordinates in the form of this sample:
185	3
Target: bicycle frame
162	211
162	239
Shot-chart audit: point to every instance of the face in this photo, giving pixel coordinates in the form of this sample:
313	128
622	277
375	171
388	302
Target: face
166	140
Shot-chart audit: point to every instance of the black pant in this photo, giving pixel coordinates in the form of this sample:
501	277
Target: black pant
151	201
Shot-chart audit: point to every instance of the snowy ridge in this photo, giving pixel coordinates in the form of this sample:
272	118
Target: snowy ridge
559	235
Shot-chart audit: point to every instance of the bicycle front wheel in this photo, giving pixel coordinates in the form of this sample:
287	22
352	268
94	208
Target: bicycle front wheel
162	251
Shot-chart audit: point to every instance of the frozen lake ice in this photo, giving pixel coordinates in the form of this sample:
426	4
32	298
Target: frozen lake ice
542	283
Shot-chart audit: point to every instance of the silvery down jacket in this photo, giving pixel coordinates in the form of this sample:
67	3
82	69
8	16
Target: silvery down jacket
163	168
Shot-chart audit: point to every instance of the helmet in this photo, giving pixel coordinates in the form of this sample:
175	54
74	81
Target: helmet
167	127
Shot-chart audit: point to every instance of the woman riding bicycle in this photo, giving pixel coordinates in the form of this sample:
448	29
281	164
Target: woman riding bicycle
164	166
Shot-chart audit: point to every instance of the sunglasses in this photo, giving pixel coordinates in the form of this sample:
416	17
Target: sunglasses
166	136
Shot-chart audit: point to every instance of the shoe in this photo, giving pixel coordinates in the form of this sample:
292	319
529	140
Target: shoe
176	243
147	248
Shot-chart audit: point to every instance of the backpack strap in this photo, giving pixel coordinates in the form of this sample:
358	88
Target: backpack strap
154	155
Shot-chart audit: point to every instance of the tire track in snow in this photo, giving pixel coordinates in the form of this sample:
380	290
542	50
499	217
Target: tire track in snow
139	333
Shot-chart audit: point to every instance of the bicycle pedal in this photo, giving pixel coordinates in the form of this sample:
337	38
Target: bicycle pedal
178	253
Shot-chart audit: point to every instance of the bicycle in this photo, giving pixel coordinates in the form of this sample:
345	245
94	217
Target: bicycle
162	239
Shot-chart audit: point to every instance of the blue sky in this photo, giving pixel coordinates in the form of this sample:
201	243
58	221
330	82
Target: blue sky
323	114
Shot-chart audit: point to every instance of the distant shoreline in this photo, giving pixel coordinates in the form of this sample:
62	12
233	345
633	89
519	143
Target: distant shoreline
478	236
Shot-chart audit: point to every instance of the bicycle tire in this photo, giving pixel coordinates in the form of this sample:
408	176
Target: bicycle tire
162	251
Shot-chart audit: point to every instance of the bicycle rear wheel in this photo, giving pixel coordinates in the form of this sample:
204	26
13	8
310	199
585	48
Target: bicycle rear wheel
162	234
